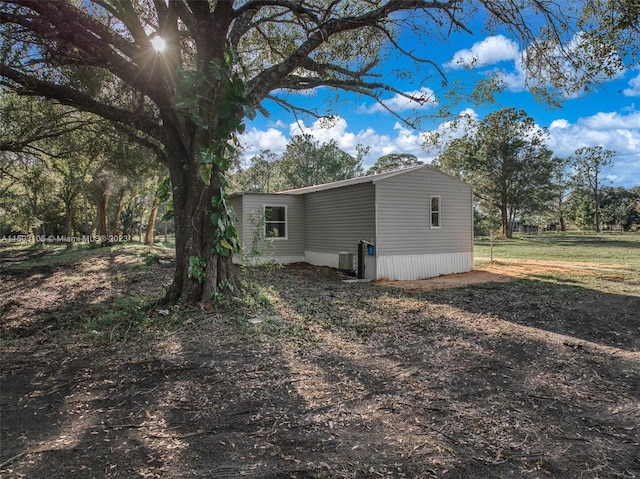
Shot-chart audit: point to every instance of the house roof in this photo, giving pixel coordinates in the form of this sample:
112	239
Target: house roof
352	181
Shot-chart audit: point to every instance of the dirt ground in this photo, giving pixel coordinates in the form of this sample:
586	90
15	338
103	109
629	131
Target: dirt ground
518	370
504	270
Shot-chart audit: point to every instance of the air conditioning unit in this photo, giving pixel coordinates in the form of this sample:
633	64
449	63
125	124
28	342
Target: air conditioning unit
345	261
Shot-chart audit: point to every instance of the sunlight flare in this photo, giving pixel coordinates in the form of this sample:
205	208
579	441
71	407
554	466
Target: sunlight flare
158	44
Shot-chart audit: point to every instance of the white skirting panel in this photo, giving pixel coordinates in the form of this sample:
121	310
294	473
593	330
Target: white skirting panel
258	260
322	259
421	266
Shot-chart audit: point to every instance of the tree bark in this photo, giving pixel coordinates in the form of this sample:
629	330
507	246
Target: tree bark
101	218
506	227
117	229
151	226
68	207
596	206
195	233
34	213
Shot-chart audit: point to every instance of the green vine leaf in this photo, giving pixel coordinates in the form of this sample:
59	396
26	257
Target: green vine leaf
165	196
197	119
204	170
197	268
206	156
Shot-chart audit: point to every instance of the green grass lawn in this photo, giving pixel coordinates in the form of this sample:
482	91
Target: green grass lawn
618	249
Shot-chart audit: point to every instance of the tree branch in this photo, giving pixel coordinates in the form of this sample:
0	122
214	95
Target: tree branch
30	85
270	78
143	141
410	55
79	39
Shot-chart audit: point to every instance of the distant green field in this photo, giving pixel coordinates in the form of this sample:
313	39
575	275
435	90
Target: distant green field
613	249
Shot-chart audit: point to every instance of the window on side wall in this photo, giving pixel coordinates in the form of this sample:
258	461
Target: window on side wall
434	211
275	222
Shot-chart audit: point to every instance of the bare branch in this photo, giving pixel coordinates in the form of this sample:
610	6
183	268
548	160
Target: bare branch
291	107
267	80
296	7
144	141
30	85
185	15
125	12
410	55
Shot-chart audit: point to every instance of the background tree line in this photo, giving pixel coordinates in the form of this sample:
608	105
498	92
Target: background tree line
68	173
307	162
63	172
517	179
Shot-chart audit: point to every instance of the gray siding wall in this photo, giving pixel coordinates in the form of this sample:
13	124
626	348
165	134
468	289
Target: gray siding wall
403	203
236	204
293	245
336	219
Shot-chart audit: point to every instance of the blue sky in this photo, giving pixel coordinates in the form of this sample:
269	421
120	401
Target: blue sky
607	117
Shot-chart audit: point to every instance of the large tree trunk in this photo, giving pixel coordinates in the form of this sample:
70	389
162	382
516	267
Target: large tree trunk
34	214
85	210
195	235
597	214
101	218
117	229
151	226
506	227
68	211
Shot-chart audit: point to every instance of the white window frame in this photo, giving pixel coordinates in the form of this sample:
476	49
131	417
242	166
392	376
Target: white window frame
438	212
286	222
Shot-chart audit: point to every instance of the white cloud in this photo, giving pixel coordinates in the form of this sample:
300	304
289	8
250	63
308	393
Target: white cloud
611	121
449	130
399	103
559	124
497	49
404	140
254	141
516	81
325	130
489	51
634	87
613	131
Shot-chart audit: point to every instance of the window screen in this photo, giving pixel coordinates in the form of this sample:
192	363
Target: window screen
435	212
275	221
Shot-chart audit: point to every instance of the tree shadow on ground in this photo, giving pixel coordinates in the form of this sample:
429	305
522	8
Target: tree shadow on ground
338	381
573	310
73	287
448	379
73	415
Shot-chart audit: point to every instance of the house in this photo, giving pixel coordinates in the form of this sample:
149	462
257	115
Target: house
406	224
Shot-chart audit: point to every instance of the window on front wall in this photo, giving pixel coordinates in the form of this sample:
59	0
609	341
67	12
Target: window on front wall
275	221
435	211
